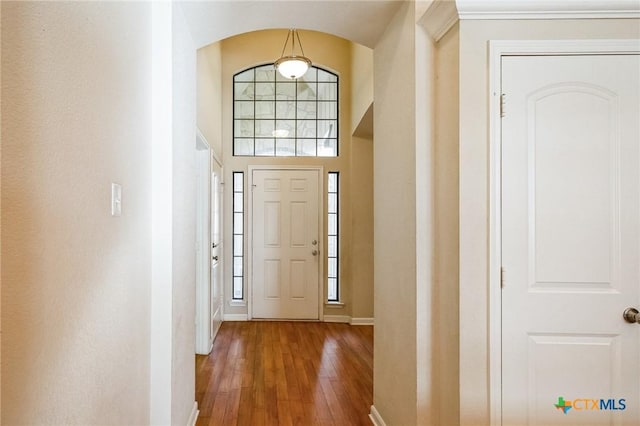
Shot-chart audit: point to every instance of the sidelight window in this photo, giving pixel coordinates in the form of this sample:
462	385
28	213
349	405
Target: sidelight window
333	242
238	235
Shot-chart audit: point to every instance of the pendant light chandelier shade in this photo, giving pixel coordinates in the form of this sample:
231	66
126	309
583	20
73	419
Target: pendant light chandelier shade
292	66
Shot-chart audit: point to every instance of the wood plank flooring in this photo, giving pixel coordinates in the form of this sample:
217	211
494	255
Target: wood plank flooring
286	373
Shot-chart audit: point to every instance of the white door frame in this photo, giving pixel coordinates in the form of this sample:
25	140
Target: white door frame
203	243
498	49
249	265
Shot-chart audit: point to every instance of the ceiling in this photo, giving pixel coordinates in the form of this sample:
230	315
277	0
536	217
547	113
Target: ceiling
361	21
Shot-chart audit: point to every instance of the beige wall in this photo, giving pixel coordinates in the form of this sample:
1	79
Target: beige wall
446	223
474	179
0	217
361	203
209	95
183	222
362	84
416	224
362	180
334	53
394	168
75	281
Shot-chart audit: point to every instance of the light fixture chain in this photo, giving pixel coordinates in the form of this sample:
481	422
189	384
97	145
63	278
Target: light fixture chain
299	42
285	44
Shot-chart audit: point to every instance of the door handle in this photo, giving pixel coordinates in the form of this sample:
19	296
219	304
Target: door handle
631	315
314	252
215	258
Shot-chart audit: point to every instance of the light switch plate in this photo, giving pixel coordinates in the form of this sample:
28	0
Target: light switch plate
116	199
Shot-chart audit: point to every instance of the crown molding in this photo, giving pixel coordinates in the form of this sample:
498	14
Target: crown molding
441	15
439	18
547	9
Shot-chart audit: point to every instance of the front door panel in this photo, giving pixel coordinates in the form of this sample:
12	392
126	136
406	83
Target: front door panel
286	253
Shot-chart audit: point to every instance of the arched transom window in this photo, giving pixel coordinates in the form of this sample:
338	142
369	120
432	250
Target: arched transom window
277	117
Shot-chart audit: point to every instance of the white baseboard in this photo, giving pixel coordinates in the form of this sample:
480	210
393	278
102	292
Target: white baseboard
337	318
346	319
376	418
194	414
361	321
235	317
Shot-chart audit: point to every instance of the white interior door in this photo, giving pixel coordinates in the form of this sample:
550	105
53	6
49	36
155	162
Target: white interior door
570	240
285	244
216	251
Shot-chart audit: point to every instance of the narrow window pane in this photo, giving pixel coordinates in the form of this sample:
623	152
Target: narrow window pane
285	109
333	182
327	91
333	246
237	245
243	91
244	76
243	109
237	223
333	290
307	91
333	267
285	147
333	224
306	147
265	91
237	287
238	202
326	76
327	129
306	110
265	147
243	128
286	91
265	73
264	129
310	75
306	129
333	203
265	109
327	110
242	146
238	182
328	148
237	267
285	128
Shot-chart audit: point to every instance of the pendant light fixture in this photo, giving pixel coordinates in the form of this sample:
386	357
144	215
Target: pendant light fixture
292	66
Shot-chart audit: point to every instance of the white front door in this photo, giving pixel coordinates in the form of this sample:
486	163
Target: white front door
570	240
285	244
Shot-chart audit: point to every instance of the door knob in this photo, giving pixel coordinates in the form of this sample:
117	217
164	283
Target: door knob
631	315
215	258
314	242
314	252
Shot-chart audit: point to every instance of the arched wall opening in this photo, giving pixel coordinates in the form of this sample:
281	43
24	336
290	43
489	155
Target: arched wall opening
353	63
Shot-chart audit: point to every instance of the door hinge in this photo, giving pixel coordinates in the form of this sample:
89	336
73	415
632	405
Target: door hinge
502	103
502	277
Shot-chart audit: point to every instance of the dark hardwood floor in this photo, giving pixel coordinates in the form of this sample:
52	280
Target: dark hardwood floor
286	373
